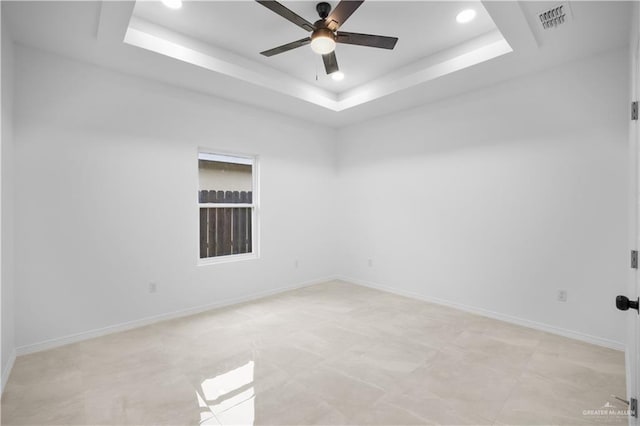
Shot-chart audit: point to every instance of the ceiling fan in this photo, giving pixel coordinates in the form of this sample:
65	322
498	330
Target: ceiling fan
324	32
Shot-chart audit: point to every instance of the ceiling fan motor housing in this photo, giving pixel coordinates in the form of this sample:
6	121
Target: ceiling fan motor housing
323	32
323	9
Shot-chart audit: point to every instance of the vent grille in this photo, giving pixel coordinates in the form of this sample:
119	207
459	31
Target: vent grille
554	17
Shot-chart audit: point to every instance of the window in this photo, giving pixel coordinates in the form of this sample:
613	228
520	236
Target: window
227	204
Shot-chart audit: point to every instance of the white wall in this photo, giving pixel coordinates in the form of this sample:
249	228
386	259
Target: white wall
106	198
493	200
7	353
498	198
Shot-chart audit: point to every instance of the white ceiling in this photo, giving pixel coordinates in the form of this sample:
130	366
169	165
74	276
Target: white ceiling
94	32
246	28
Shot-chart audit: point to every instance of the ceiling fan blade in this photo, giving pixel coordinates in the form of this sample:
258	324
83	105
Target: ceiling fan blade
286	47
341	13
287	14
330	62
383	42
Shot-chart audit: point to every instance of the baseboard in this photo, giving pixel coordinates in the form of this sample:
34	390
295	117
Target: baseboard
495	315
7	370
90	334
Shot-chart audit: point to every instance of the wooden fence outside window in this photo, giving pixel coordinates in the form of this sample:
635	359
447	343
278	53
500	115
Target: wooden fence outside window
225	230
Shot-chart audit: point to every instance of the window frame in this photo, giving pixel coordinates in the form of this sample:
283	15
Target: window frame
254	206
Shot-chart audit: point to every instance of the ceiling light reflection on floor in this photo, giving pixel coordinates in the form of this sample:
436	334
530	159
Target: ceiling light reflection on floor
229	396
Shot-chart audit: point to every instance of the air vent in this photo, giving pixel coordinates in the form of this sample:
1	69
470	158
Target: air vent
556	16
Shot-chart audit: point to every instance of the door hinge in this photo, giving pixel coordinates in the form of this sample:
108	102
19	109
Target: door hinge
634	110
632	403
634	259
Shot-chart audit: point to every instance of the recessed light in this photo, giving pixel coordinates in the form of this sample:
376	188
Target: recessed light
465	16
337	76
172	4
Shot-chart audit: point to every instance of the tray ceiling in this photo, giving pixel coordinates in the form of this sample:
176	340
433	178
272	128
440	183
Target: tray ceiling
226	37
246	28
436	58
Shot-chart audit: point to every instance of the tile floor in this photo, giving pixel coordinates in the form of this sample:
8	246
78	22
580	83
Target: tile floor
333	353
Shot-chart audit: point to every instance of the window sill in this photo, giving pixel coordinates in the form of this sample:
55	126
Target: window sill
227	259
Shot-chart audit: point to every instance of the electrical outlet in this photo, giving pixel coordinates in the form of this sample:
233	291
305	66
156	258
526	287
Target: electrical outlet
562	295
370	262
153	287
296	264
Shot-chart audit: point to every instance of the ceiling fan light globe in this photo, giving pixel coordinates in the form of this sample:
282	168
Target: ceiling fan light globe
323	45
323	41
